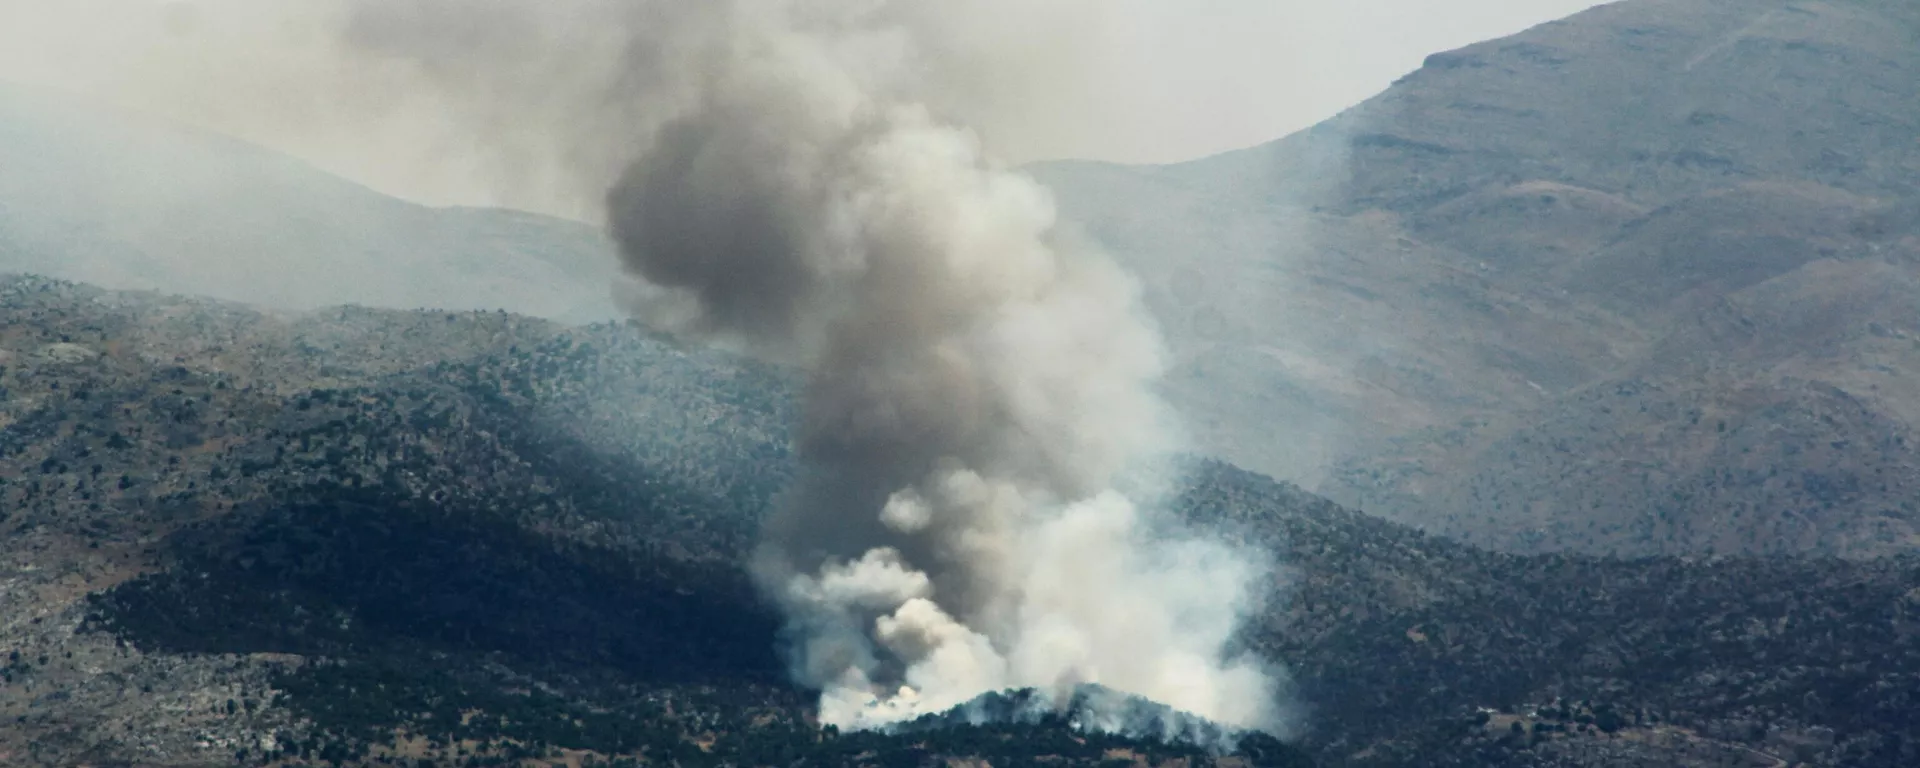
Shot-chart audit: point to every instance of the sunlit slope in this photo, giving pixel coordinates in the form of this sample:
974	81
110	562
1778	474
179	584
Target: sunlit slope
131	202
1646	193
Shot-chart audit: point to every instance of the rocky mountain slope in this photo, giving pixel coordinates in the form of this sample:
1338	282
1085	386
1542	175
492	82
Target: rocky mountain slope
1636	281
361	536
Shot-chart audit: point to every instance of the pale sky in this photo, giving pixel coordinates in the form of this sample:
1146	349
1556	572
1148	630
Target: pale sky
1152	80
1216	75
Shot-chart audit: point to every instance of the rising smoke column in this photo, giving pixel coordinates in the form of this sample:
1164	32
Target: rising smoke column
975	380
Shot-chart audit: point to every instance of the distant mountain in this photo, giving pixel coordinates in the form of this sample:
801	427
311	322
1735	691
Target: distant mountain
131	202
1425	307
355	535
1636	281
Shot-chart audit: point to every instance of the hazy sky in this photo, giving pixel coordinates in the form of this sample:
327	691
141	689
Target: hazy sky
1149	80
1214	75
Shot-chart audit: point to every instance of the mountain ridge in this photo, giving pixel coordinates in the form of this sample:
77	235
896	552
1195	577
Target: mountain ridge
1701	197
123	200
1595	203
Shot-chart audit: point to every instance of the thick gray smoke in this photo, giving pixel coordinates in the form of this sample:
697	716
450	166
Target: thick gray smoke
976	381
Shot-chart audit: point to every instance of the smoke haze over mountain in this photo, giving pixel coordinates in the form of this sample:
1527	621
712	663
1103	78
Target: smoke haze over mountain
1130	80
789	179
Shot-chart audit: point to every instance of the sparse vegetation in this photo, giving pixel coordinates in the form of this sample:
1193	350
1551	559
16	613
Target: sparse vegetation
495	554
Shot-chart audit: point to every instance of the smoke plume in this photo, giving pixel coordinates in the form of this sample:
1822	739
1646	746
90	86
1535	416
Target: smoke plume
785	178
977	381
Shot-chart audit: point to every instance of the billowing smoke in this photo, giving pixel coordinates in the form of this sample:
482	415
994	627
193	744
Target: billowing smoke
784	178
977	381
